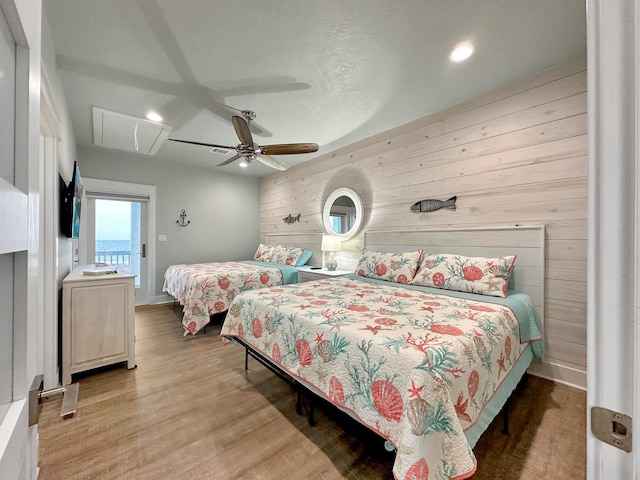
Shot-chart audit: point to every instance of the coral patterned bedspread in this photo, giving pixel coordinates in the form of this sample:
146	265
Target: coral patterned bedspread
207	288
413	365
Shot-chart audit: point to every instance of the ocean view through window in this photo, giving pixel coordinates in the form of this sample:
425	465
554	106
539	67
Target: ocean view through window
113	251
117	234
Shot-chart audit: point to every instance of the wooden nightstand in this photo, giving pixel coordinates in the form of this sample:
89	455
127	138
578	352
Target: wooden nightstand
305	274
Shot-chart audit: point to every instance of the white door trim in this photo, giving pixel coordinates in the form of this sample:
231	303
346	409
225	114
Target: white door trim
49	227
123	188
613	271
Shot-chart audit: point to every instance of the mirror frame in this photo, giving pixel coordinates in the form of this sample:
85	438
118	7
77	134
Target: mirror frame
355	198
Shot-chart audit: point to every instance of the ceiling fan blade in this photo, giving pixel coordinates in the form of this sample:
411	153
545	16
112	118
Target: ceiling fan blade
201	144
273	162
289	148
242	130
229	160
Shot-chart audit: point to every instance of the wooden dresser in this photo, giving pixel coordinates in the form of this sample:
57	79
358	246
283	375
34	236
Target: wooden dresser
98	320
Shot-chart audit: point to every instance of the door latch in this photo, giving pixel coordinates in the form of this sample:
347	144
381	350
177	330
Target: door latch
612	427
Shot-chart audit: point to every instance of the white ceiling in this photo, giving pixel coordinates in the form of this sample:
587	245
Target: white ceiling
330	72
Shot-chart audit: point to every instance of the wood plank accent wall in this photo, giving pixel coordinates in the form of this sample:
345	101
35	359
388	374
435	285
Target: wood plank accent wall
515	156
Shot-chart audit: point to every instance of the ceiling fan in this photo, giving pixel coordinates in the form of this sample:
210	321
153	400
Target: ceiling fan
251	151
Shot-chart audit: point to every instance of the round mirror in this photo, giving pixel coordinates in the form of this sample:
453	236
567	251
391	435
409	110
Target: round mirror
343	213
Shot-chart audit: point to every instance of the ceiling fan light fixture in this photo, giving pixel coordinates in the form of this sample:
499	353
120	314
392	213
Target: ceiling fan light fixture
243	164
249	151
153	116
461	52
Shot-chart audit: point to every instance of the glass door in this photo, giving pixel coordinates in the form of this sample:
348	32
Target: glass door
117	235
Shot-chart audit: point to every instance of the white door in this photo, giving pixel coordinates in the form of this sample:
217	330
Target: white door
613	355
18	245
7	168
117	234
126	232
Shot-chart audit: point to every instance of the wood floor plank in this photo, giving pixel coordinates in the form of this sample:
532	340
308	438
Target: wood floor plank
190	411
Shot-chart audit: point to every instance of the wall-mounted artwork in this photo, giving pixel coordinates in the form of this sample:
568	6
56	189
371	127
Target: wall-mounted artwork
432	205
182	222
289	219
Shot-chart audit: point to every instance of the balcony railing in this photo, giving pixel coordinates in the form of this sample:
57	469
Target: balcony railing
114	257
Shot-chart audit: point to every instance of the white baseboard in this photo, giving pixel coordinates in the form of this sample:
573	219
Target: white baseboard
162	299
559	374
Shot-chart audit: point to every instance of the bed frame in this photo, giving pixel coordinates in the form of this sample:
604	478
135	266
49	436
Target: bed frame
527	242
300	389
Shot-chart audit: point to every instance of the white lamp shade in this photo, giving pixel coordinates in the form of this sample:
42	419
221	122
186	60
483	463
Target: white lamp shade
331	243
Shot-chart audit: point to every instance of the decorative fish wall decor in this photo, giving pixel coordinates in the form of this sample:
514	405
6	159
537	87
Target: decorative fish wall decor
291	219
433	205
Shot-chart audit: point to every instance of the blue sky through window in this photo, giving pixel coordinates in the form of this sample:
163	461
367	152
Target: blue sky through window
113	220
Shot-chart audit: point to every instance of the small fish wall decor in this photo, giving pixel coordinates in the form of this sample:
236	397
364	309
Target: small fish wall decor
289	219
433	205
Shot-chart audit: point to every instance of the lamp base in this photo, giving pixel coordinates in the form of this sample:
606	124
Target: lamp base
331	263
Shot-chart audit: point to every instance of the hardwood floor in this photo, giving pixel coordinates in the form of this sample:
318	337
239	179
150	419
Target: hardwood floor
191	411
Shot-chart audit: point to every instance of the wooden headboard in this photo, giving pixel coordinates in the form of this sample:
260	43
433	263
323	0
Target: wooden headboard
528	243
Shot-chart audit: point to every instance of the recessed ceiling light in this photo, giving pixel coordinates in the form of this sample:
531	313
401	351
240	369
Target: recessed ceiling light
461	52
154	117
243	164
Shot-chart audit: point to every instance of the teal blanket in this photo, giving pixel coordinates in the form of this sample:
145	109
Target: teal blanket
289	273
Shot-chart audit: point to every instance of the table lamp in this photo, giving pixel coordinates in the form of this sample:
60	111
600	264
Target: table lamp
331	244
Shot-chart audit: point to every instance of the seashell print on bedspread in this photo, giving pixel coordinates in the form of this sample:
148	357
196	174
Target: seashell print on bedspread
208	288
414	366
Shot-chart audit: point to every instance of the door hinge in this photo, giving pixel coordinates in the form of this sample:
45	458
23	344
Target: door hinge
144	250
612	427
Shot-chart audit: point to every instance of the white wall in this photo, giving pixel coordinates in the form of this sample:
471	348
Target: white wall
63	152
67	144
223	208
66	148
515	156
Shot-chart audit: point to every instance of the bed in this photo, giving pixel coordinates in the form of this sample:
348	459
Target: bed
427	367
205	289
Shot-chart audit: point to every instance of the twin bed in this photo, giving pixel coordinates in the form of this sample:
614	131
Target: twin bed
425	366
423	344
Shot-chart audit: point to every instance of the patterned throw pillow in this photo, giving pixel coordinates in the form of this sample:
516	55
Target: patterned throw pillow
264	253
484	276
393	267
286	255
